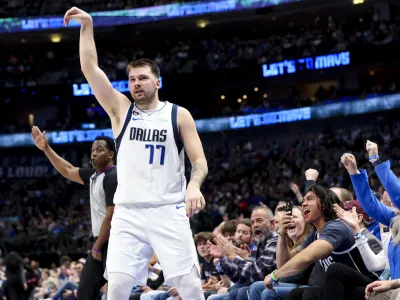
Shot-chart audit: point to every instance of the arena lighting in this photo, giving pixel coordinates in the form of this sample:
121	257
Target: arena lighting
239	100
202	24
55	38
358	1
222	97
244	97
265	96
139	15
323	111
256	89
84	89
309	63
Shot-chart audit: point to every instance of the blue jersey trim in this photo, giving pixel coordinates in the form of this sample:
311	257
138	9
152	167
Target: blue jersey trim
174	118
118	140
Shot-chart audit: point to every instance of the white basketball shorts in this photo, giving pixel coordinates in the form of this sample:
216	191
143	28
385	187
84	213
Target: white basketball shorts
137	230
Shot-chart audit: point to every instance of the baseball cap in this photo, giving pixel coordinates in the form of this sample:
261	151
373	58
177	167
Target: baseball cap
348	205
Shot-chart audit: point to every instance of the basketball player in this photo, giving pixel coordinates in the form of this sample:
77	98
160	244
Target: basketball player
102	181
150	198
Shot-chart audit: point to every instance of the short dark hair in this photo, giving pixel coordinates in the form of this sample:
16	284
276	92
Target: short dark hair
144	62
327	199
65	260
229	227
110	145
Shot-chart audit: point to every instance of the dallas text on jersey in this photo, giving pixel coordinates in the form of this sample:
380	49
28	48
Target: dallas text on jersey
148	135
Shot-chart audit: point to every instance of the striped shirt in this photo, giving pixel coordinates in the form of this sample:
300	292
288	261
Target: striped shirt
261	262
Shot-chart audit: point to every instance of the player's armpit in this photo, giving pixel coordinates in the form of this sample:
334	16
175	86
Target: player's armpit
193	146
112	101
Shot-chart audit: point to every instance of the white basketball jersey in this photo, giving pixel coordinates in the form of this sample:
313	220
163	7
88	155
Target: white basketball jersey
150	157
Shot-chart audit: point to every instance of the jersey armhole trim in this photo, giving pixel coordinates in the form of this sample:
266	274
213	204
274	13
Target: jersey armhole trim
177	137
127	120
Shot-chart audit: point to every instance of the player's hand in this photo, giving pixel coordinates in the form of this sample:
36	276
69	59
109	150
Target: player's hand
311	174
97	255
39	138
194	200
350	163
78	15
173	292
372	148
349	217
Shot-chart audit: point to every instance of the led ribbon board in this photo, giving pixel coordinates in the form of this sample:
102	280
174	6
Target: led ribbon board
321	62
139	15
323	111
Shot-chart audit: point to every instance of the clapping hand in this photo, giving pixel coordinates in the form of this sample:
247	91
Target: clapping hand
349	217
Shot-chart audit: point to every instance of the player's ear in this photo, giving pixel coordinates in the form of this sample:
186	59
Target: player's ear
158	84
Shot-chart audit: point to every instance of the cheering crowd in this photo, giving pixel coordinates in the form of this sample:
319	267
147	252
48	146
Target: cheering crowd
329	246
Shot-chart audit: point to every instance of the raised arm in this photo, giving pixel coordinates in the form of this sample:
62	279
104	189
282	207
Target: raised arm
365	196
388	179
194	149
112	101
65	168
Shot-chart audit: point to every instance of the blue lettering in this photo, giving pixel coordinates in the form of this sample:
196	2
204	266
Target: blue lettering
308	63
345	58
84	89
291	66
320	62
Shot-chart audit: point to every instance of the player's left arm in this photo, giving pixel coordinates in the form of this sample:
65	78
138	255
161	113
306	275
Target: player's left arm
194	149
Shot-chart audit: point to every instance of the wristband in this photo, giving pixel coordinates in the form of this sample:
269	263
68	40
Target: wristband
376	162
222	260
273	277
95	250
372	157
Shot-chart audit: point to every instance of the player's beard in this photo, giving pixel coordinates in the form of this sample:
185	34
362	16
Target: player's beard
147	97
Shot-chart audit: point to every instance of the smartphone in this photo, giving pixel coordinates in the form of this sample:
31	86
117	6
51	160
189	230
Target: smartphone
289	207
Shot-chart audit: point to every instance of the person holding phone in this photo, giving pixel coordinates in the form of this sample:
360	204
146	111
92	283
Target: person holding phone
293	229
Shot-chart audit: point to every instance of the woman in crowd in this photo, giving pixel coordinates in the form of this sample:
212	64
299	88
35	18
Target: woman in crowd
294	230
